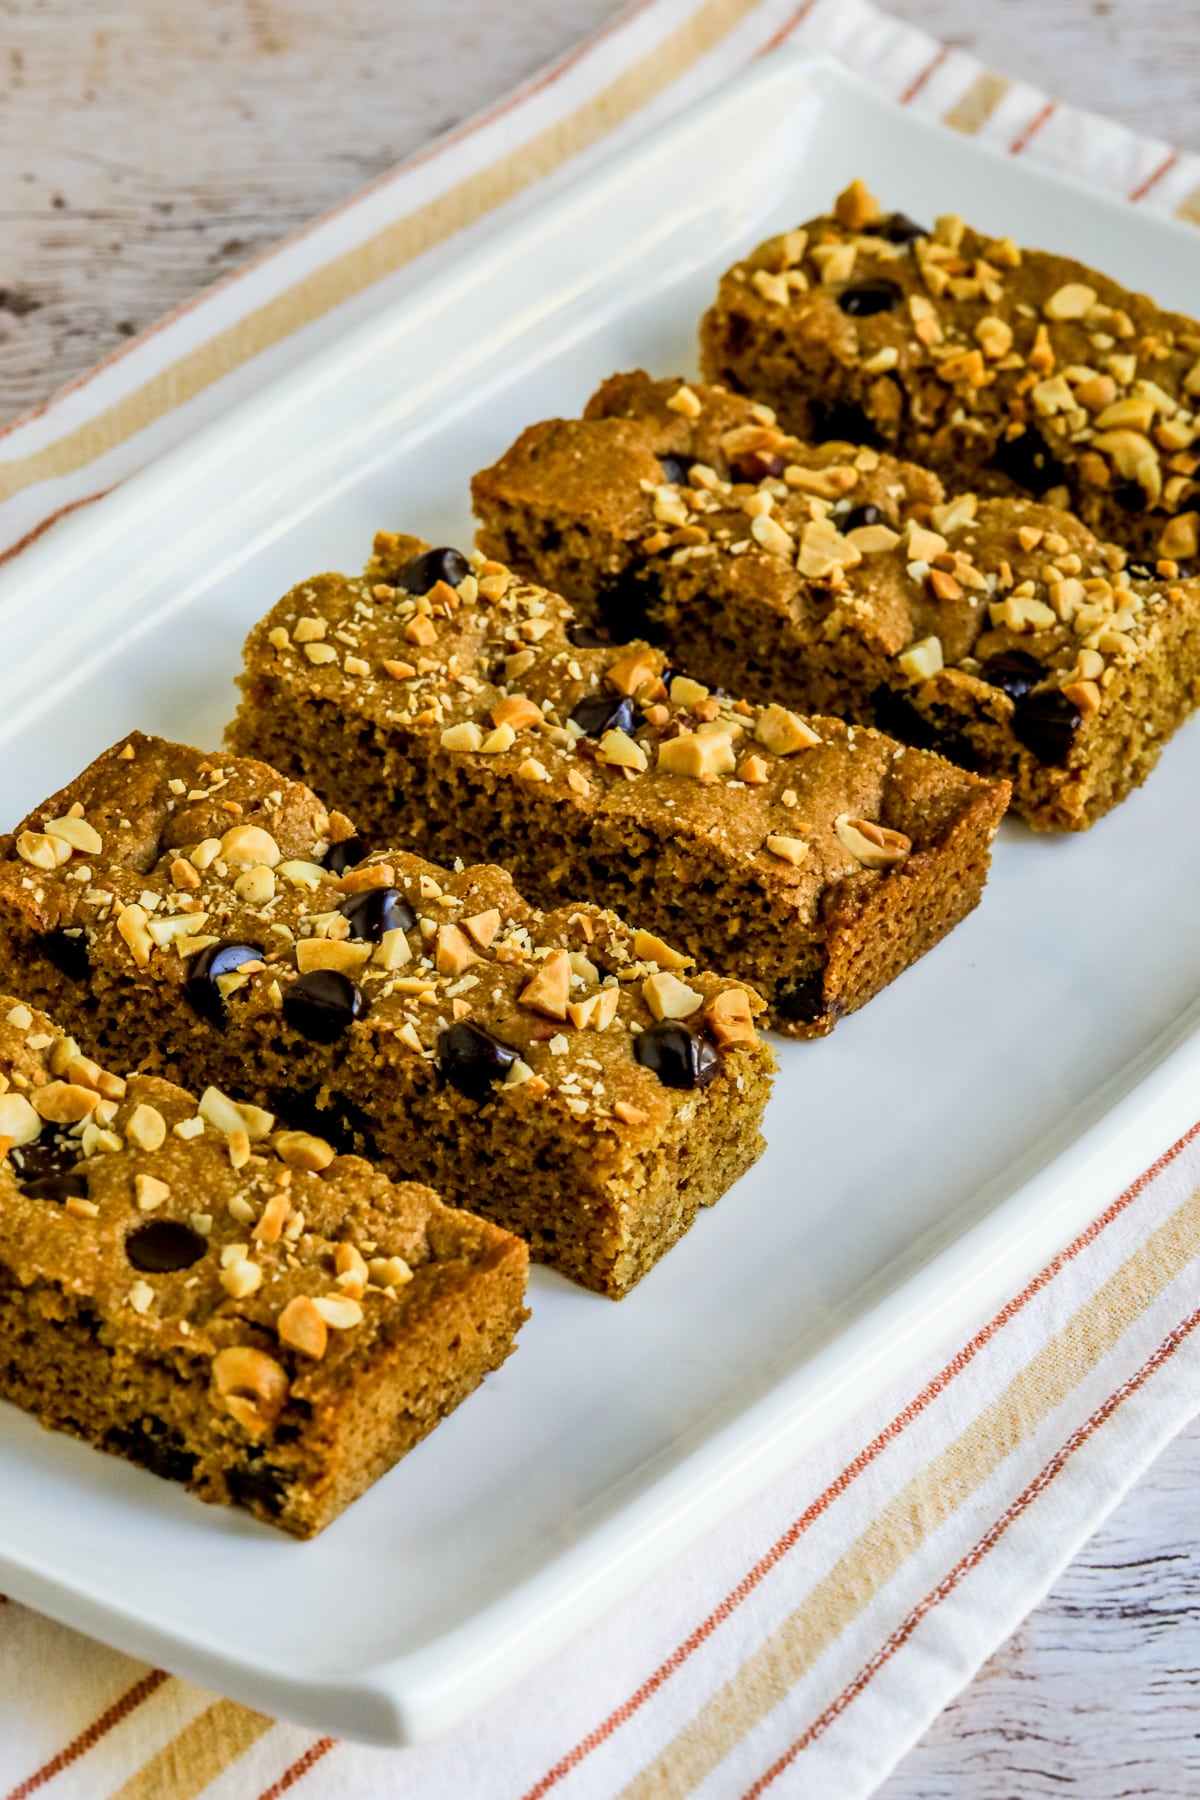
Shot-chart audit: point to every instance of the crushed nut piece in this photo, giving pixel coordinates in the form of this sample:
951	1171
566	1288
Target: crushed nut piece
874	846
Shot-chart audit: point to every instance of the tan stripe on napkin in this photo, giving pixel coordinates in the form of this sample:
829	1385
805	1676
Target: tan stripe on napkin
196	1755
390	249
972	110
919	1509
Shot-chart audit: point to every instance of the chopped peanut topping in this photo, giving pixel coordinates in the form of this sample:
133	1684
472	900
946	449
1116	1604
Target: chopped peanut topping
730	1019
301	1327
550	988
874	846
669	998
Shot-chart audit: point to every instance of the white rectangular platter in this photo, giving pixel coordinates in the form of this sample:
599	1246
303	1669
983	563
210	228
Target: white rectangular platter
922	1160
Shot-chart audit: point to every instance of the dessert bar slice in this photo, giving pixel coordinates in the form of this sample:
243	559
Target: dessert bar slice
460	709
227	1303
564	1075
1010	370
998	631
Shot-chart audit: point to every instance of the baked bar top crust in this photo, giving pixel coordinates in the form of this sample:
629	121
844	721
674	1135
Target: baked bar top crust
841	577
227	887
997	365
235	1287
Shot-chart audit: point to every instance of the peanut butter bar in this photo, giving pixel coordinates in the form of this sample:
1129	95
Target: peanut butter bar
224	1302
568	1077
996	630
461	709
1004	369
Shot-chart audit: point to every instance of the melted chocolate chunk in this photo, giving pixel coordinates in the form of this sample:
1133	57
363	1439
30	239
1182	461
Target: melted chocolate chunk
164	1246
675	469
258	1486
203	970
338	1121
625	610
896	228
154	1446
346	855
1130	496
757	465
1014	672
432	566
863	299
375	911
599	713
323	1004
676	1055
1046	723
858	516
47	1168
842	422
900	719
68	951
1029	461
802	1002
584	638
472	1060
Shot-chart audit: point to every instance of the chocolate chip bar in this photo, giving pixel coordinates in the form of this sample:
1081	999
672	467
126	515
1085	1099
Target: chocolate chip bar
568	1077
1006	370
222	1301
834	578
463	710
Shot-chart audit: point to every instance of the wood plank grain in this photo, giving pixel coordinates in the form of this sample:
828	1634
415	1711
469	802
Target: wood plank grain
1097	1694
148	149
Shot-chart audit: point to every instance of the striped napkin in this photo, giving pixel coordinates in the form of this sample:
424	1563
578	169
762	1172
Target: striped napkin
820	1631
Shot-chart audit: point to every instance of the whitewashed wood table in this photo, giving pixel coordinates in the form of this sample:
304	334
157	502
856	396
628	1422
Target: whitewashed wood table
148	148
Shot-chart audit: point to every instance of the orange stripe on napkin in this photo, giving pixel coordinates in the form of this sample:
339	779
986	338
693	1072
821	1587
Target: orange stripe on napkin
865	1458
926	1502
130	1700
976	1554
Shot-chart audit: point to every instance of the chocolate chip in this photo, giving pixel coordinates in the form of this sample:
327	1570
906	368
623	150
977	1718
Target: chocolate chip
675	470
472	1060
1029	461
48	1168
858	516
1046	723
802	1002
584	638
1014	672
203	970
346	855
896	228
164	1246
757	465
865	298
68	951
599	713
676	1055
432	566
375	911
1130	496
323	1004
